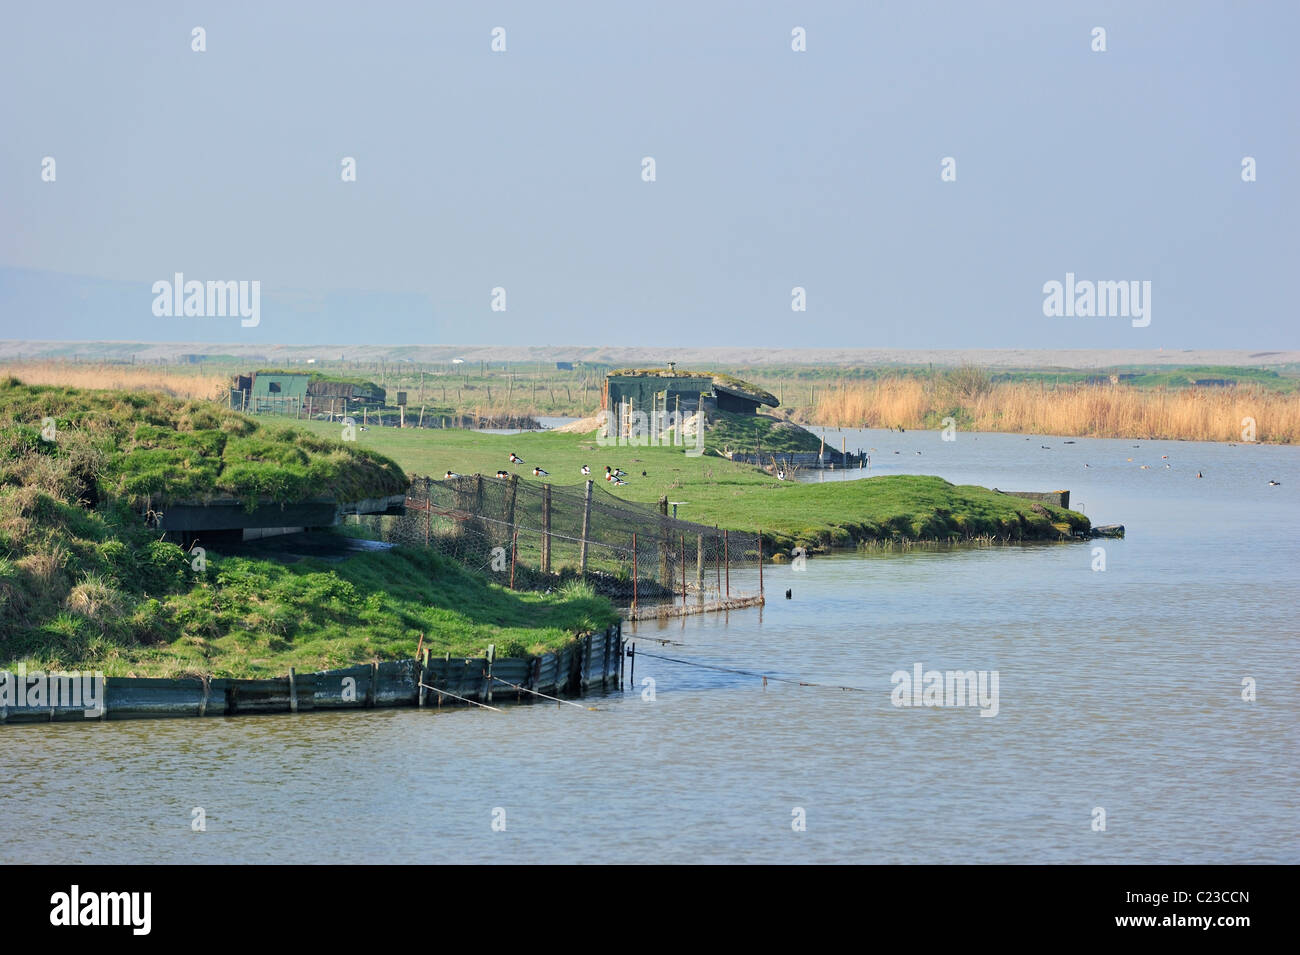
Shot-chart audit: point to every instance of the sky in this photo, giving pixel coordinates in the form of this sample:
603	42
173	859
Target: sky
774	169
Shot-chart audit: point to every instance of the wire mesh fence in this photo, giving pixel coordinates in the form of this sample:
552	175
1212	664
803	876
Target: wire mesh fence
537	536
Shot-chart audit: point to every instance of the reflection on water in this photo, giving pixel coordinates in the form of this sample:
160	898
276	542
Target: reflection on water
1118	689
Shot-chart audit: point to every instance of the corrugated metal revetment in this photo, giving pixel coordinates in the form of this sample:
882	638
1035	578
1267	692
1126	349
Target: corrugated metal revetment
593	662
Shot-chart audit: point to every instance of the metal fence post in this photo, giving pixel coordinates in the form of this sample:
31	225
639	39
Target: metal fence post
586	525
546	528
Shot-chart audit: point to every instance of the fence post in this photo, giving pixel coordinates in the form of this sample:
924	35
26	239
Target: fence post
546	528
726	560
634	573
665	545
760	561
428	509
510	497
423	670
514	549
586	523
699	565
683	536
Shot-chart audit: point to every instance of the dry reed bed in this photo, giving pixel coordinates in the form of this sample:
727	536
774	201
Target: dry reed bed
177	383
1093	411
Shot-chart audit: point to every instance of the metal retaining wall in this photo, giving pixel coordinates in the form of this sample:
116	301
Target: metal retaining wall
594	662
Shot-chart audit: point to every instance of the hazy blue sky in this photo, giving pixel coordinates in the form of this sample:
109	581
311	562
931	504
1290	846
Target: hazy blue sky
775	169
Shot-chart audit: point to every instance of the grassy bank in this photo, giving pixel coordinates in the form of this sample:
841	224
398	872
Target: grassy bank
84	584
716	491
1094	411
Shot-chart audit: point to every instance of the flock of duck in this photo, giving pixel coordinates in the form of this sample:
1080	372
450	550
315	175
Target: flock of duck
612	475
615	475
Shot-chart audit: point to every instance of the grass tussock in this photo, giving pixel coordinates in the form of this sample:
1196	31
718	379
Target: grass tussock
1082	410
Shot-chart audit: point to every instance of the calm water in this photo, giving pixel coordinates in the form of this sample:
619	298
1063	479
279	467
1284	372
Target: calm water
1118	689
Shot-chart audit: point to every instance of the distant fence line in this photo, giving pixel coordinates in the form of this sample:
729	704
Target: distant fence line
529	535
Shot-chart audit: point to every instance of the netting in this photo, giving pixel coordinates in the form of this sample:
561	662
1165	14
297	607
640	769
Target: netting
536	536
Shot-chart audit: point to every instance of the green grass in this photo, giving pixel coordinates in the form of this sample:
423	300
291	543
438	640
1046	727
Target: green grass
245	617
84	584
757	434
149	449
737	496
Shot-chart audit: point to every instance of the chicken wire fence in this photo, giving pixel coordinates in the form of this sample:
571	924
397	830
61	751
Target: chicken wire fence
536	536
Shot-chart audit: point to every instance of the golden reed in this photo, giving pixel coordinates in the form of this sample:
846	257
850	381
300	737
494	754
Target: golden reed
1089	411
178	384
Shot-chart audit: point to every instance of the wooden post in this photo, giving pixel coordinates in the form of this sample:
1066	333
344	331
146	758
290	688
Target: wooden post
546	528
634	572
420	423
293	691
491	659
428	509
699	566
586	523
726	560
631	676
760	561
683	544
511	490
514	549
423	670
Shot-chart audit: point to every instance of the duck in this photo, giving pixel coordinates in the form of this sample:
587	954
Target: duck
503	474
1274	483
780	474
515	459
1199	474
449	475
585	469
617	472
538	472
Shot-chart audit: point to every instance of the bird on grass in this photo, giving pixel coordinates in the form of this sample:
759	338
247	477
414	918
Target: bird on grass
617	472
585	469
780	474
538	472
449	475
503	474
515	459
616	481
